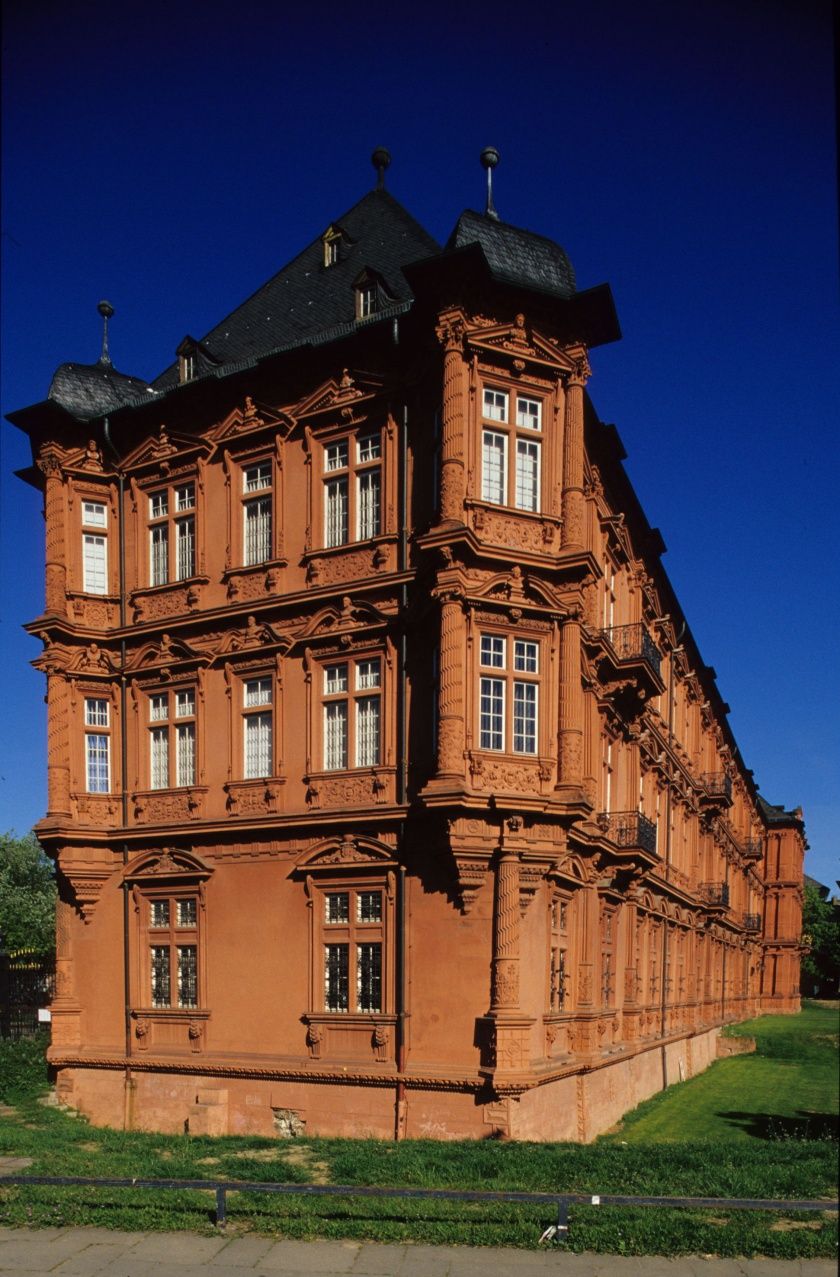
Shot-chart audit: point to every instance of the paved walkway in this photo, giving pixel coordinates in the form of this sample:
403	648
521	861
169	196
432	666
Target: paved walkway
89	1251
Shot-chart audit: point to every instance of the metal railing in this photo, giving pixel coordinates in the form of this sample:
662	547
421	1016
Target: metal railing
753	849
561	1202
718	786
632	642
715	893
629	829
752	921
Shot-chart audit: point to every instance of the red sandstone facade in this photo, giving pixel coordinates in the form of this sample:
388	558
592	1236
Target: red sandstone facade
388	791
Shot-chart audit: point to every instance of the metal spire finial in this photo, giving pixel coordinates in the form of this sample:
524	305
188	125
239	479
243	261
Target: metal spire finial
381	159
106	310
489	159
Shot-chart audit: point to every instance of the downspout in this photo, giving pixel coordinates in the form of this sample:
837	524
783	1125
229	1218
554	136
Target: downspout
674	650
129	1082
402	786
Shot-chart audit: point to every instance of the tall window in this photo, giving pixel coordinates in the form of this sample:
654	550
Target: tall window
172	761
258	724
257	513
367	300
608	923
352	489
94	548
509	696
353	932
352	714
557	973
510	455
97	746
172	534
173	951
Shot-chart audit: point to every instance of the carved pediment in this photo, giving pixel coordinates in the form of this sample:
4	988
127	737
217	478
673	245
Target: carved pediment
517	589
519	341
341	393
332	620
349	852
166	863
252	416
159	449
167	651
252	635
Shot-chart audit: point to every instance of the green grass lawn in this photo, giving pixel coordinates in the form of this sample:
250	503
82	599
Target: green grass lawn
709	1155
788	1089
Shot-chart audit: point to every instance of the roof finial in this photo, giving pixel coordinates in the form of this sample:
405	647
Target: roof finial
489	160
381	159
106	310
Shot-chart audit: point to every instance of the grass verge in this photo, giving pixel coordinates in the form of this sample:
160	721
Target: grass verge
738	1162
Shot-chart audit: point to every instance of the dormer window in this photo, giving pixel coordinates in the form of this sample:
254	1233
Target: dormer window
331	240
367	301
186	367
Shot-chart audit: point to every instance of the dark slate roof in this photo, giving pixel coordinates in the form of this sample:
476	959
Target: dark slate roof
773	813
89	390
514	255
306	298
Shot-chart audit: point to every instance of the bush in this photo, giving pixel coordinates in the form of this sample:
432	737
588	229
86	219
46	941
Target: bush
23	1068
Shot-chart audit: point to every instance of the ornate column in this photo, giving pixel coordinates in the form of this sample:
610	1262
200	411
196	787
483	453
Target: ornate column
450	332
505	989
450	759
66	1011
56	566
58	746
571	706
573	498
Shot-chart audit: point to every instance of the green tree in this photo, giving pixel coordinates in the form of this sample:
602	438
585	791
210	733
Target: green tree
821	932
27	895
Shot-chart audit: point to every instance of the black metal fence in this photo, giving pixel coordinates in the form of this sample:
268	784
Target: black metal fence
558	1202
27	984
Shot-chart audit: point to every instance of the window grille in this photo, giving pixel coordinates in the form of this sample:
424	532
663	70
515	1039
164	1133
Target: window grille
159	759
367	731
94	564
336	977
185	754
335	736
161	988
158	554
185	540
257	531
98	764
337	907
369	977
187	913
369	906
159	913
187	975
369	504
257	746
493	467
336	513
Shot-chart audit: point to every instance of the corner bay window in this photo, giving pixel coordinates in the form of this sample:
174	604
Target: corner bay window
353	934
351	713
172	762
97	746
257	513
172	534
510	457
257	728
509	697
173	951
352	490
94	548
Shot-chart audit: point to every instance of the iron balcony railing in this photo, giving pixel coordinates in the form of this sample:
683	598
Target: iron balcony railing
632	643
752	921
629	829
718	786
753	849
715	893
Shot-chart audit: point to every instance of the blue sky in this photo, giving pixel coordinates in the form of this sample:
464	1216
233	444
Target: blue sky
173	157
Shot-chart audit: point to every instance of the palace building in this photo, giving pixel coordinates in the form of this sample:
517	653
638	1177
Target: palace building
388	791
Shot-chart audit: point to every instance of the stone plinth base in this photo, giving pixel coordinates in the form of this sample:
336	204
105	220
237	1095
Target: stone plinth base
578	1106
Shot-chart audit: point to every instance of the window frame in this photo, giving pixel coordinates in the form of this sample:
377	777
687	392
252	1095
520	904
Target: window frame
347	477
253	498
102	732
352	694
169	522
498	682
499	423
94	533
257	710
352	933
168	727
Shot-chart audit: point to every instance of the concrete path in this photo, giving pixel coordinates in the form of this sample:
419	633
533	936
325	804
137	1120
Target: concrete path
88	1251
